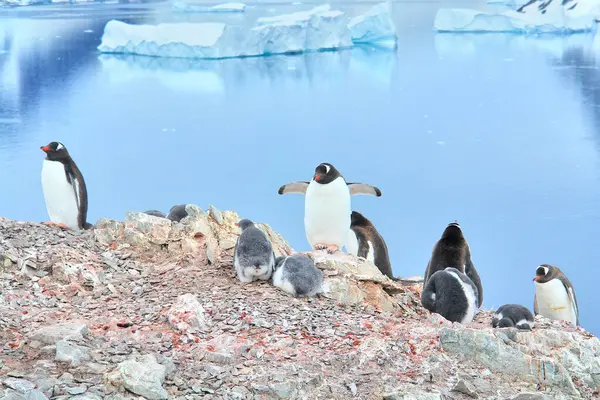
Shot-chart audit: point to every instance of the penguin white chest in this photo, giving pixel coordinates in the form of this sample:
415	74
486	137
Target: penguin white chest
554	302
59	194
470	298
327	213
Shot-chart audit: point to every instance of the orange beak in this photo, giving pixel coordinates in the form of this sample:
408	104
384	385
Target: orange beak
537	278
317	177
236	224
45	148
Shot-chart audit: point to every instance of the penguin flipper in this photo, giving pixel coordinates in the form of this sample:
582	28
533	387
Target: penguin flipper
535	306
294	187
471	272
573	300
363	188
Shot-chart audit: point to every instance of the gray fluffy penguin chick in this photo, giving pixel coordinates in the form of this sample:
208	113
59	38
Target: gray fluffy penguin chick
177	212
297	275
451	294
253	257
155	213
513	315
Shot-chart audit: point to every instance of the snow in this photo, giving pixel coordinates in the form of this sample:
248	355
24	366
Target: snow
554	19
317	29
376	26
185	6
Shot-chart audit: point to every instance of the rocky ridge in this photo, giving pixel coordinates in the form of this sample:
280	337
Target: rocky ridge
147	308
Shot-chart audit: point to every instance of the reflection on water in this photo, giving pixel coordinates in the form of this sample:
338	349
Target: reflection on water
215	76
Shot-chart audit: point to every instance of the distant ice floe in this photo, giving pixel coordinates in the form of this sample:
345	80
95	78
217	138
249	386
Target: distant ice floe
185	6
317	29
538	17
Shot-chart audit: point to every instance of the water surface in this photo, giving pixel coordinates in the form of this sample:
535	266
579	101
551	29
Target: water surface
497	131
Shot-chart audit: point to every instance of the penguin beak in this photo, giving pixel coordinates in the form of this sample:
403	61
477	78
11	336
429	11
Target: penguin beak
317	177
45	148
537	278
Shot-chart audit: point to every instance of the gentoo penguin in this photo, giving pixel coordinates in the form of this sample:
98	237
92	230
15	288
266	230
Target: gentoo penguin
554	295
452	250
177	212
364	241
547	7
297	275
451	294
156	213
327	206
513	315
253	257
64	189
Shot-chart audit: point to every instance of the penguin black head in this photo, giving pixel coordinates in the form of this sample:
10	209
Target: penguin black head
544	273
325	173
453	232
245	223
357	219
55	151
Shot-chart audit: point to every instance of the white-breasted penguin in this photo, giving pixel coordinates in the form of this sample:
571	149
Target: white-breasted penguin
452	250
327	206
64	188
364	241
513	316
253	256
451	294
554	295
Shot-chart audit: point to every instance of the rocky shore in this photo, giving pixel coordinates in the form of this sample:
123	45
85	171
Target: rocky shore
147	308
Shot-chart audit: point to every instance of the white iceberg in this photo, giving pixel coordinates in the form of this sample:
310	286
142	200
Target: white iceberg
376	26
185	6
554	19
318	29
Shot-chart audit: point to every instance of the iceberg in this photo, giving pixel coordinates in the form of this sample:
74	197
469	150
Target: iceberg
552	19
375	27
184	6
317	29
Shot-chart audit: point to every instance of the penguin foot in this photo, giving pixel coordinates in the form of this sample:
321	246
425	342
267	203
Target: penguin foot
320	246
332	249
60	225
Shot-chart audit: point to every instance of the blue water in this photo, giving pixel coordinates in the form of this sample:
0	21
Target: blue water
498	131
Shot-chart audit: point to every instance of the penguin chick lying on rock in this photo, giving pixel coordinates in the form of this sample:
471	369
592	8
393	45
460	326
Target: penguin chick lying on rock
298	275
253	257
451	294
513	315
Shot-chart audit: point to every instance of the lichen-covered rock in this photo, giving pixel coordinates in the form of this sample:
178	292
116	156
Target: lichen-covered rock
501	354
142	229
187	314
353	280
143	376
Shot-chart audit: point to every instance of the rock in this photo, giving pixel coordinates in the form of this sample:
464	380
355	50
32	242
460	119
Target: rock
142	376
86	396
55	333
492	352
530	396
284	390
187	314
108	231
35	395
19	385
76	390
412	395
10	394
464	388
143	229
70	352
